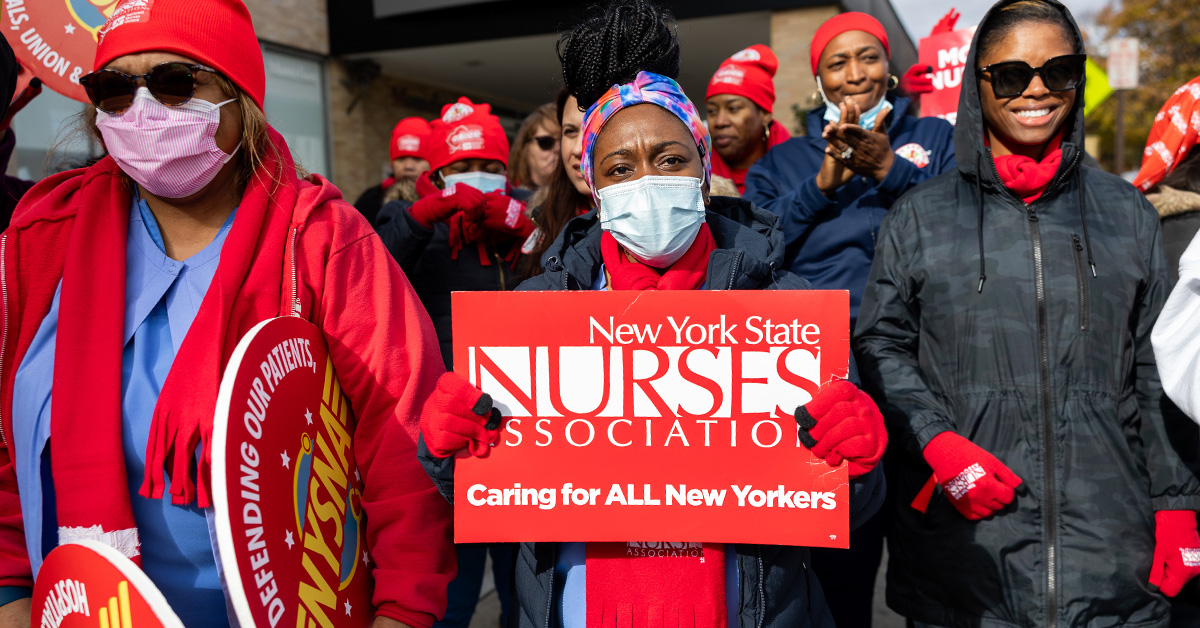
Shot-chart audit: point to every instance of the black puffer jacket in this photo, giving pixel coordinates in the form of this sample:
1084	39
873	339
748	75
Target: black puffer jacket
775	587
424	256
1046	366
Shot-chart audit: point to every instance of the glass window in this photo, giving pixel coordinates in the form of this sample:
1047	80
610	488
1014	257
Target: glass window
47	140
296	106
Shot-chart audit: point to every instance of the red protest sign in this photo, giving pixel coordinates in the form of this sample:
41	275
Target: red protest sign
86	584
287	492
651	416
56	39
946	53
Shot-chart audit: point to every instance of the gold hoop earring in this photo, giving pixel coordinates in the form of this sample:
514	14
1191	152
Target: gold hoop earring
893	81
816	97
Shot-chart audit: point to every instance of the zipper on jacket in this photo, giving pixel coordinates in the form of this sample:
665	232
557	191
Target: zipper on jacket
4	333
733	272
762	594
550	597
1050	504
295	277
1082	279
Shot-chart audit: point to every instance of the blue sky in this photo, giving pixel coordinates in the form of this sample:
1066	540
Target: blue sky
919	16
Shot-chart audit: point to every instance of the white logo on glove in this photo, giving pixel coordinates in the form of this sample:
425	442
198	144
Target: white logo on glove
965	481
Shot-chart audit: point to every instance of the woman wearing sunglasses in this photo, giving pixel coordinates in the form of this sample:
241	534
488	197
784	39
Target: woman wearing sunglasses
126	287
1006	330
534	156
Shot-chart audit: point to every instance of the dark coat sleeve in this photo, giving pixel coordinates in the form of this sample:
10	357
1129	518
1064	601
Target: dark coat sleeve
403	236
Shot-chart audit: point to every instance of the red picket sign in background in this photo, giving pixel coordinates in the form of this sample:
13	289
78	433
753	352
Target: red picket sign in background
87	584
946	53
287	492
56	39
651	416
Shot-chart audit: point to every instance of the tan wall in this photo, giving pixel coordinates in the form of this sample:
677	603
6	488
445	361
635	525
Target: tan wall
791	33
300	24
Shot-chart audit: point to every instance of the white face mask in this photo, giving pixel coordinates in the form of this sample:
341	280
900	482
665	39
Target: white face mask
483	181
868	118
655	218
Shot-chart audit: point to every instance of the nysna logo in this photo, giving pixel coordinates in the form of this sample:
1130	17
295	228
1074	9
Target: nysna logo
409	143
331	472
749	54
729	75
457	112
119	13
465	137
915	153
91	14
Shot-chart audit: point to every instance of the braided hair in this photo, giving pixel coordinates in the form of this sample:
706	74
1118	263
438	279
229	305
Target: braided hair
615	42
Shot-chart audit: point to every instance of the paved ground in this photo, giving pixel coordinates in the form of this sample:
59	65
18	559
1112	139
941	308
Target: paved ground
487	614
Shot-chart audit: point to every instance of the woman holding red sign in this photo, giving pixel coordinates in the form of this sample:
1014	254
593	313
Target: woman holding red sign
127	286
1007	326
646	154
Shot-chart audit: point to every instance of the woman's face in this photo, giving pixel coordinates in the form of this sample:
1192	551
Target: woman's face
854	66
409	168
493	166
571	145
1035	116
645	140
542	163
737	126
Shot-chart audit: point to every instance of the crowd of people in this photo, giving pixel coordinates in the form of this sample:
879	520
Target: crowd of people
1025	352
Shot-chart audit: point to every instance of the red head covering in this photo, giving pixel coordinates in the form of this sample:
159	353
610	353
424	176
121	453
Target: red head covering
1176	130
410	138
748	73
841	23
466	131
216	33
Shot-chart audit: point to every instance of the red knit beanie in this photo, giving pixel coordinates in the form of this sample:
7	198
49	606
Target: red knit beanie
466	131
217	33
748	73
410	138
841	23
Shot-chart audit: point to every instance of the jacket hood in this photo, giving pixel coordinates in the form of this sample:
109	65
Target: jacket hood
736	225
969	133
1170	201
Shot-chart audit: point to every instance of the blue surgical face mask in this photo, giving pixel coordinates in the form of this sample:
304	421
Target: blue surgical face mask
483	181
868	118
655	218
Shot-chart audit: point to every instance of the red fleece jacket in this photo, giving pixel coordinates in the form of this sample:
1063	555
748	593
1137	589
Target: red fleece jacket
383	348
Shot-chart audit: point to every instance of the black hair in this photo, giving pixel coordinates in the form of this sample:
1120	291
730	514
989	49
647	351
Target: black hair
615	42
1186	175
1007	19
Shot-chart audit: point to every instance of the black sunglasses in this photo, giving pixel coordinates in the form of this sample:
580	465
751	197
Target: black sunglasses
545	142
172	84
1060	74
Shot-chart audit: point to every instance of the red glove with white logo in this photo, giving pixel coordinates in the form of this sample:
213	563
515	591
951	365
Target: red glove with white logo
459	416
976	482
917	80
499	214
843	423
441	206
1176	550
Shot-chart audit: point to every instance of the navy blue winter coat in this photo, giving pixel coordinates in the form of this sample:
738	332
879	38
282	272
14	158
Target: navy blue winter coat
831	242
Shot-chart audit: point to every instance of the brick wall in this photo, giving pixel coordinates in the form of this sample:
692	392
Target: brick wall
791	33
300	24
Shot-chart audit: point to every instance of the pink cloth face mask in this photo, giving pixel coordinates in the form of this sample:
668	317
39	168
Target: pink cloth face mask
172	152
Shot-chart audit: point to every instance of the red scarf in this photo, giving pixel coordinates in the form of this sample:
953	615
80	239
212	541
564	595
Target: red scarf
87	466
687	273
778	134
655	585
1027	178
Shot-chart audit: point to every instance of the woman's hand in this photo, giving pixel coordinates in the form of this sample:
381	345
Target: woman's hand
16	614
834	174
840	423
868	153
459	417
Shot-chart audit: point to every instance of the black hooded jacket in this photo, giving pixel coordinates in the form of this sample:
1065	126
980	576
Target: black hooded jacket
1026	329
774	587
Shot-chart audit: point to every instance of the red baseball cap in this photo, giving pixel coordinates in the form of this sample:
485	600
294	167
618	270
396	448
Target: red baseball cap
466	130
841	23
217	33
748	73
410	138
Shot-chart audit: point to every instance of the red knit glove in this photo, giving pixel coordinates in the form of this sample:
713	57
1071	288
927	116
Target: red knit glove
459	416
946	24
976	482
499	214
917	80
441	206
1176	550
843	423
